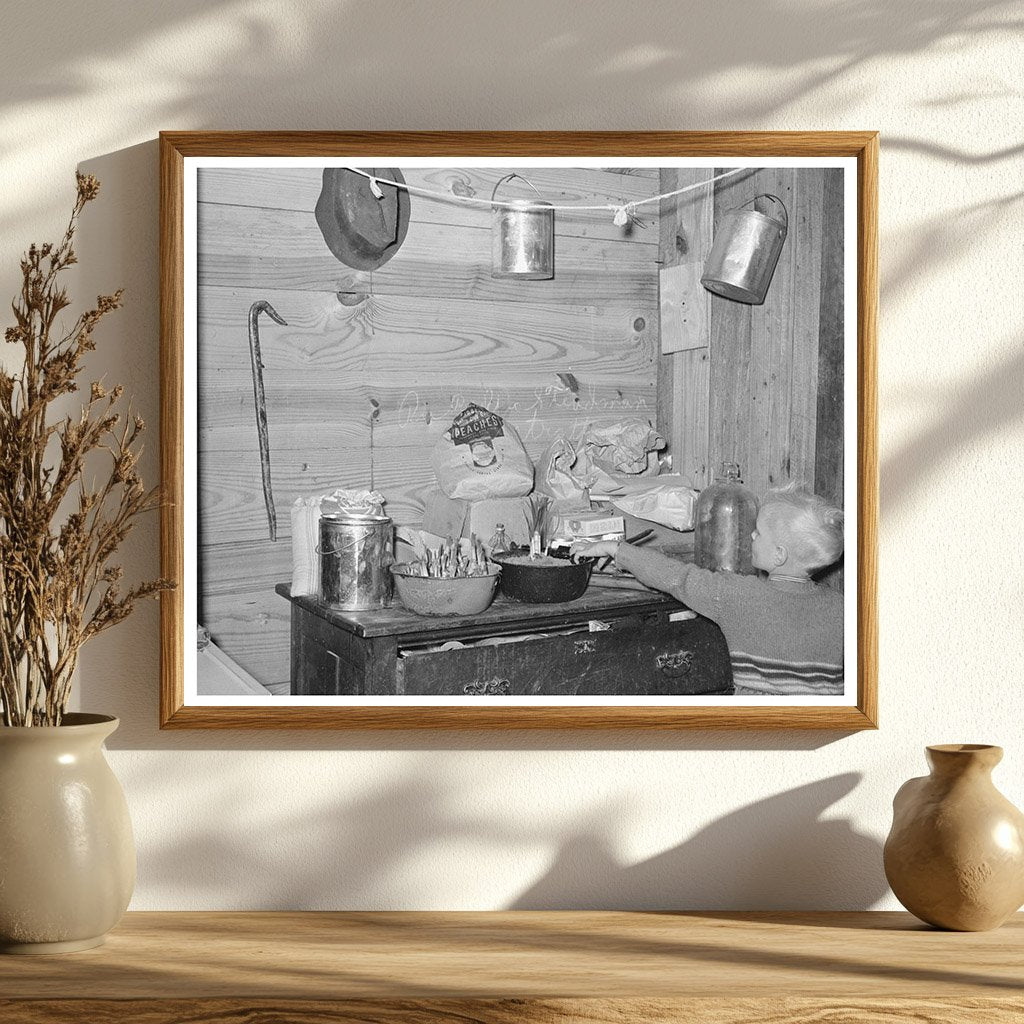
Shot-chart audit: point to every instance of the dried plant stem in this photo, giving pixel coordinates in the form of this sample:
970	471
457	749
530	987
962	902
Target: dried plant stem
58	587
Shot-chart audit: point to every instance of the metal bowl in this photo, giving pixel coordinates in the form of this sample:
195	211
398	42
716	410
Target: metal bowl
543	584
464	595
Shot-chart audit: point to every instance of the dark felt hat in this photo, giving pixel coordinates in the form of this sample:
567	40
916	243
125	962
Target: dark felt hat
363	231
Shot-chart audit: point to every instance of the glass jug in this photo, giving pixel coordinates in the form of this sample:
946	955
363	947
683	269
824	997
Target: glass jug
726	516
500	544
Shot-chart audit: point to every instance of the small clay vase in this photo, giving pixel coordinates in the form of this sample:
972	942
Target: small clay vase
67	857
955	854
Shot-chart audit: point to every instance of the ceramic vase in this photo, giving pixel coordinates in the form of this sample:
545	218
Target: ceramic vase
955	854
67	855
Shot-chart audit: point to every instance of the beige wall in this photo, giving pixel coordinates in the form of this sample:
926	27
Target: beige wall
628	820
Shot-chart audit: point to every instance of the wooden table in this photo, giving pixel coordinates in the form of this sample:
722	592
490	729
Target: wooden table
414	968
649	645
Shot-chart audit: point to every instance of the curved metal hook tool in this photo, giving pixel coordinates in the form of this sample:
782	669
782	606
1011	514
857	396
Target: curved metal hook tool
260	399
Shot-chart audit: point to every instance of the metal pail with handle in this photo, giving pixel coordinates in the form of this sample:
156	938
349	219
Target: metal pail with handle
522	236
744	253
355	559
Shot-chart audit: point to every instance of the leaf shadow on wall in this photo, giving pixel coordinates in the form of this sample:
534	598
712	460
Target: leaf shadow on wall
402	844
218	64
316	64
937	243
777	853
991	404
957	156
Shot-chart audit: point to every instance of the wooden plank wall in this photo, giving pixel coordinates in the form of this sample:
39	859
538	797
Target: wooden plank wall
770	381
764	363
684	377
372	367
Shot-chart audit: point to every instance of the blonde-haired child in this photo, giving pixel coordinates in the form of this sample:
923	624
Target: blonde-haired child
785	633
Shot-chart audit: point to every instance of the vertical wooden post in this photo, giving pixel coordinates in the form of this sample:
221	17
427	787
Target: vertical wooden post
684	377
764	382
828	455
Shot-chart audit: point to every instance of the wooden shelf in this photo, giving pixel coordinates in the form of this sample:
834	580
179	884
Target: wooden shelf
598	966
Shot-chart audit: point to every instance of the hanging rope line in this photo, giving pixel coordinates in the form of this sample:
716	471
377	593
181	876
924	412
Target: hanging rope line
621	211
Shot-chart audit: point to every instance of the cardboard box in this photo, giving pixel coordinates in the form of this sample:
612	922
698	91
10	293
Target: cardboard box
587	525
452	517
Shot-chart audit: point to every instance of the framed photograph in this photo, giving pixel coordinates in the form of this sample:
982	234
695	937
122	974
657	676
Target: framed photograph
519	430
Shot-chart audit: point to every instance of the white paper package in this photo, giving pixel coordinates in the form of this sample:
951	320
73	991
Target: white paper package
666	504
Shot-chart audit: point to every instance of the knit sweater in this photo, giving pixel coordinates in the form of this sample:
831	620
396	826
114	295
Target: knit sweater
784	636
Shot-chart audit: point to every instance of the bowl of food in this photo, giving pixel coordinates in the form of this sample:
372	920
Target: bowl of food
456	595
543	579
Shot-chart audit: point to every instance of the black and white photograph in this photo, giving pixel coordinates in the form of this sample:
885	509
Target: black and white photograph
572	432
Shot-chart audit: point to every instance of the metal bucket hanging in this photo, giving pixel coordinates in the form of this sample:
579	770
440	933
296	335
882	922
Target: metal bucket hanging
744	253
522	237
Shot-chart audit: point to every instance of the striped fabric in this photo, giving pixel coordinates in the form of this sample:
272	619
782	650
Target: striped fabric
785	636
759	674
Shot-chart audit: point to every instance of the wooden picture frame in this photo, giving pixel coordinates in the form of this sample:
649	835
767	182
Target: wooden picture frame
687	412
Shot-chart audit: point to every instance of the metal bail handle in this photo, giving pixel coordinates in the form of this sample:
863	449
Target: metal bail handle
338	551
776	199
509	177
386	559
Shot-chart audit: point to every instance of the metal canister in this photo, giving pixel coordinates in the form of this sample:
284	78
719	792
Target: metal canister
745	251
355	558
523	241
522	236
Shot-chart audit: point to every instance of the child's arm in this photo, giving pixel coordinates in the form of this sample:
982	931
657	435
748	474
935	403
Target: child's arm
718	596
697	588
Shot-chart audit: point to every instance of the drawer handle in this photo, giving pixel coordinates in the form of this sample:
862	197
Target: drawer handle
488	688
674	663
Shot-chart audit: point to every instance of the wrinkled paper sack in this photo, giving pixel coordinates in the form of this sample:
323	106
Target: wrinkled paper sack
306	513
481	456
625	449
565	476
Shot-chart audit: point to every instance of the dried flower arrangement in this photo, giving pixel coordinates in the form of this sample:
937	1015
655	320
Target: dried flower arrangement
58	588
